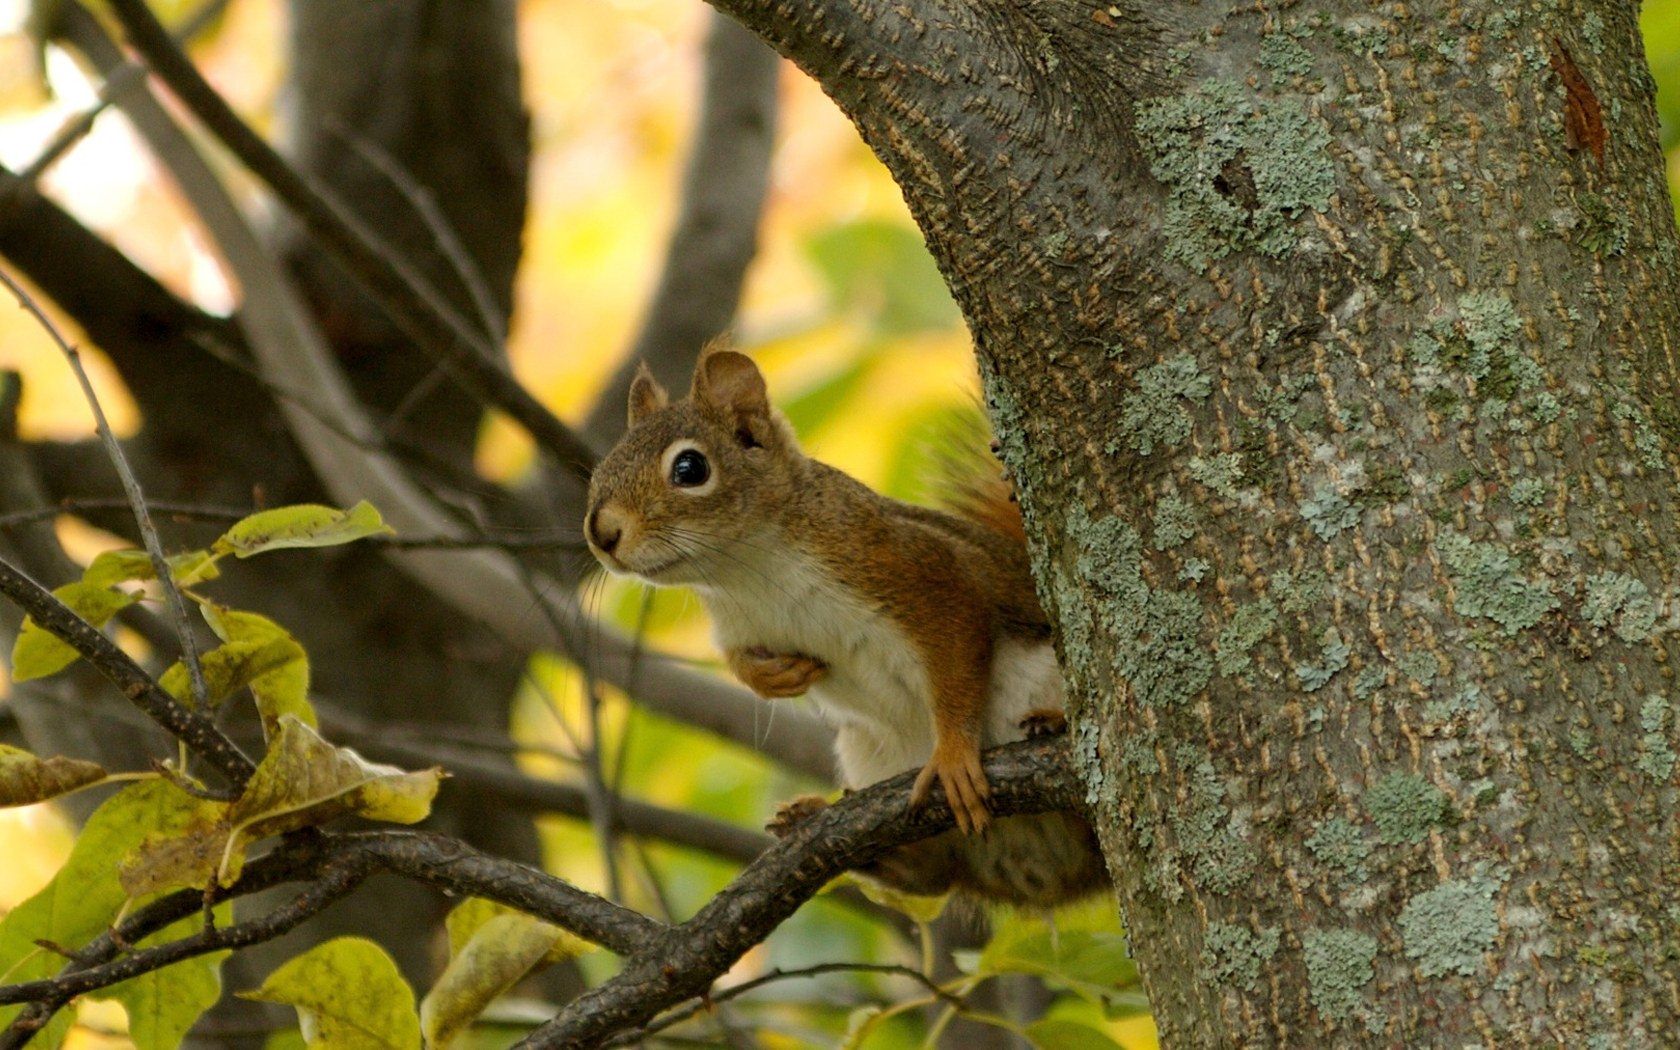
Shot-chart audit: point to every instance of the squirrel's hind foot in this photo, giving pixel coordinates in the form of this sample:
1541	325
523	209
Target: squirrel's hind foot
1045	721
966	789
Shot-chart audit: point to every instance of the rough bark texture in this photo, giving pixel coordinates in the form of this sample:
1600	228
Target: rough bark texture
1335	368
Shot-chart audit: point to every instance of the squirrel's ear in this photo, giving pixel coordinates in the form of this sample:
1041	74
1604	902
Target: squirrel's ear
646	395
729	381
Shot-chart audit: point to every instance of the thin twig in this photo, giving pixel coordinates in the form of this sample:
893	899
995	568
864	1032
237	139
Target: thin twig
131	487
735	991
199	733
412	302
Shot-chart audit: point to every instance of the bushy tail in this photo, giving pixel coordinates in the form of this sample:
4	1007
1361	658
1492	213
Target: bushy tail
968	479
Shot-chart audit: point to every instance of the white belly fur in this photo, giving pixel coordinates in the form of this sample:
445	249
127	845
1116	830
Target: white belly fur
876	693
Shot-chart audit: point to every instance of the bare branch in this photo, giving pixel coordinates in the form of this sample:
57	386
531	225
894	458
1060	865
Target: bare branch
716	234
414	304
196	731
735	991
1029	777
131	488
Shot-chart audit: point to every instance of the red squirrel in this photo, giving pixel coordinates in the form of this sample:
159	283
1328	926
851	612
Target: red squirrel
916	631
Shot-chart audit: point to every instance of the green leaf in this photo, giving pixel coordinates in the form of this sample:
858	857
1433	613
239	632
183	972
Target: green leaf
38	652
348	995
303	525
284	690
113	567
501	947
1069	1035
884	269
1092	964
164	1004
26	779
85	895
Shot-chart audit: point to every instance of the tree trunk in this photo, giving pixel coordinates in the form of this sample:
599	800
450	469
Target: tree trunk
1331	347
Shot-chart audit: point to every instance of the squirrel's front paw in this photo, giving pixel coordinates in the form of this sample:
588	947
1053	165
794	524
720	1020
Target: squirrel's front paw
776	675
959	770
794	813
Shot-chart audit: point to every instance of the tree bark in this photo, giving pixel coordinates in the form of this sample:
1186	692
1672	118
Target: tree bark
1331	349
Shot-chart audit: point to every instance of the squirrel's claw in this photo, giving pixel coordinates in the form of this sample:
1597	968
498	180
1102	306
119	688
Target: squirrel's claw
965	786
775	676
793	813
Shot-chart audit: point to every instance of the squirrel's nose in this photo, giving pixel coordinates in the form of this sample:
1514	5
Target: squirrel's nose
605	528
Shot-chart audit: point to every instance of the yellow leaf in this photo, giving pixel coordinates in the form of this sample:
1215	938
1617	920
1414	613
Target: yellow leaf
348	996
113	567
26	779
502	948
918	907
283	690
303	780
38	652
303	525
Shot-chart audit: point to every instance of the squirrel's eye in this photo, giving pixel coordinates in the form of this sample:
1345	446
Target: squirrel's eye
690	469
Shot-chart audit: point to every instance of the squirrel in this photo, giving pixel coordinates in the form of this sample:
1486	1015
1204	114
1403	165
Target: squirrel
916	631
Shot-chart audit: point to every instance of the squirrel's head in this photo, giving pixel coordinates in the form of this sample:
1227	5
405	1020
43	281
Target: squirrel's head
688	490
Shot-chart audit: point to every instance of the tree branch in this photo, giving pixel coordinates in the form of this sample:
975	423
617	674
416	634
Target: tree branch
416	306
716	235
1029	777
195	730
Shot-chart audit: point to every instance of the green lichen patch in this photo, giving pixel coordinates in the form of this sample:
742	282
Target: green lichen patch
1487	347
1239	170
1528	492
1371	677
1340	844
1447	929
1617	599
1298	592
1329	511
1339	966
1154	413
1646	441
1157	633
1194	569
1404	806
1219	858
1466	701
1233	955
1220	473
1603	228
1175	522
1487	583
1283	56
1248	625
1420	666
1331	661
1656	754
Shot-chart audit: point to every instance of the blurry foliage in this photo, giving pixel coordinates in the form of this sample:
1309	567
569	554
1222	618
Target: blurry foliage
864	349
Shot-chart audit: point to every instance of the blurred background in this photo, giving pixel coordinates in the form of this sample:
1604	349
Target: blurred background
842	307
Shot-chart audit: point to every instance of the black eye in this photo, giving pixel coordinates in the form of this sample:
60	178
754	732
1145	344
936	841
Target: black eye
690	469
